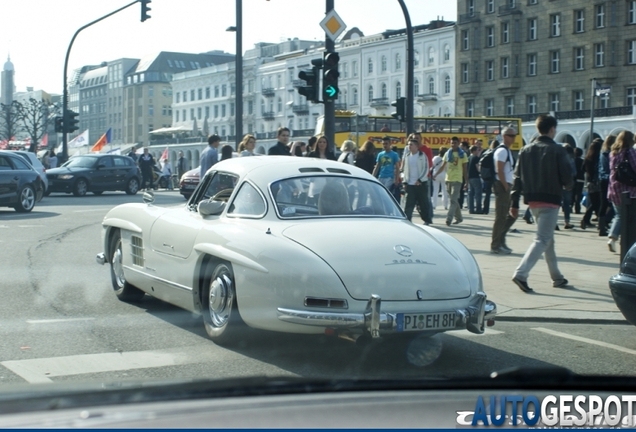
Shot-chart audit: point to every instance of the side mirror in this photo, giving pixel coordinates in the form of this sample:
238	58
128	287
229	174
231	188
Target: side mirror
149	197
100	166
211	207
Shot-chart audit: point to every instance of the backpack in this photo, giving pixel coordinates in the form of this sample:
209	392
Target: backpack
487	165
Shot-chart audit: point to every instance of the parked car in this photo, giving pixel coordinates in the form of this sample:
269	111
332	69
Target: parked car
188	182
20	184
294	245
623	286
32	158
95	173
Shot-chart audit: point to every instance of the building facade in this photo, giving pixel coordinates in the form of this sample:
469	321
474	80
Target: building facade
525	57
7	82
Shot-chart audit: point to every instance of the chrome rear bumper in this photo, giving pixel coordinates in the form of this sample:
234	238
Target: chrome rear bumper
472	318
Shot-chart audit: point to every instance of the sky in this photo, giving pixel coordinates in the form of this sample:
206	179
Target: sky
36	33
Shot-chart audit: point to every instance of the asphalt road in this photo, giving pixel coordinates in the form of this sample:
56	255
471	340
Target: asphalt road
60	321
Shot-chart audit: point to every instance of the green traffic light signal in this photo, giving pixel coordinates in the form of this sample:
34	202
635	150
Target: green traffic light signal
144	10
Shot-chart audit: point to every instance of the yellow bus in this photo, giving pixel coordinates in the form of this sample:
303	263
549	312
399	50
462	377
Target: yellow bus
436	131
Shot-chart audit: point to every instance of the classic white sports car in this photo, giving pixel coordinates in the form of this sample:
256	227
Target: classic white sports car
295	245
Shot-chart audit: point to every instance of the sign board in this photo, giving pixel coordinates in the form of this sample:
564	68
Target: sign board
603	90
333	25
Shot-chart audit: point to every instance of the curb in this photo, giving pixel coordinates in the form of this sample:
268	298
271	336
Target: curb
562	320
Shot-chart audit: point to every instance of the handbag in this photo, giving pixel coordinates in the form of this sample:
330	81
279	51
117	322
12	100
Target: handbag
624	172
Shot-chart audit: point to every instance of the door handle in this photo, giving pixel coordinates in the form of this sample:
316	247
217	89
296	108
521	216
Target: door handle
16	178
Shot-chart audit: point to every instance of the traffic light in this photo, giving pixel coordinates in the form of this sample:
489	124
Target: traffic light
400	109
59	124
71	122
144	10
312	77
330	76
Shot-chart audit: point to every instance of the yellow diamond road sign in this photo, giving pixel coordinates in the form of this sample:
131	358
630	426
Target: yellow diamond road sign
333	25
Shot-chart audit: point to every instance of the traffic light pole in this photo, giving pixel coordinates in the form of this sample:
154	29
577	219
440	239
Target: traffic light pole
330	110
65	87
409	68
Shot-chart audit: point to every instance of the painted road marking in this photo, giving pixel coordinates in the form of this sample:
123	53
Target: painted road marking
586	340
53	321
42	370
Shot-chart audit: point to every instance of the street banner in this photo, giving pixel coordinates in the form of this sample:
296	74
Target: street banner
102	141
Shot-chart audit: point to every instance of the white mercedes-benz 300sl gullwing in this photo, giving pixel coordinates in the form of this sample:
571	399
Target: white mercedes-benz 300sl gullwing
295	245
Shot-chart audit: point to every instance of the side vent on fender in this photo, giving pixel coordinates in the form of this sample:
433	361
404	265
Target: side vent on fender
326	303
137	252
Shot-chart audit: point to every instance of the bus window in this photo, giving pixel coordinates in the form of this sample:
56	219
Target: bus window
485	126
343	124
437	125
419	126
462	126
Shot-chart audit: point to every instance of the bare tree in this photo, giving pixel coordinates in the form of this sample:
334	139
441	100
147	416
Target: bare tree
36	115
9	122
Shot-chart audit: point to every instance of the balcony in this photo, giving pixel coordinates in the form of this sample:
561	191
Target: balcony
268	92
300	109
469	89
508	85
469	17
379	103
508	10
430	97
269	115
599	112
340	106
302	133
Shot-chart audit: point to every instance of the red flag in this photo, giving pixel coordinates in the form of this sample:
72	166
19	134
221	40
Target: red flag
164	155
45	140
101	142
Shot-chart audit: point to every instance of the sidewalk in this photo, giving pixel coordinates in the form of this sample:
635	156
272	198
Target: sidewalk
584	260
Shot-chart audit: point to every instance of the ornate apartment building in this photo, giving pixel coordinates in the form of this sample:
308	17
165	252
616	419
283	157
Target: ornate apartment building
524	57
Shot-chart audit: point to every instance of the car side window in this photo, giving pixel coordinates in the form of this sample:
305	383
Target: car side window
219	187
20	164
120	162
107	162
248	202
5	165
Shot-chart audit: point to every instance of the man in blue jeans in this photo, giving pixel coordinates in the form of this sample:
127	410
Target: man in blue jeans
387	166
542	173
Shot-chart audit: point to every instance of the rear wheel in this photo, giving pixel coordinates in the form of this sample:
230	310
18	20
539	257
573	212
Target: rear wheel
123	290
221	318
132	187
80	187
26	199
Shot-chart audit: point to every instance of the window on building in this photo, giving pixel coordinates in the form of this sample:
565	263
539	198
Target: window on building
398	62
555	25
216	91
555	61
490	6
207	112
470	7
370	65
223	111
185	96
578	100
200	94
447	53
431	56
250	107
192	95
604	101
630	99
532	104
370	94
465	73
579	58
279	105
554	101
416	87
383	64
490	107
490	36
183	113
383	91
431	85
216	111
490	70
176	116
223	90
465	40
416	58
447	85
191	113
199	112
631	52
354	96
398	90
345	70
178	96
354	67
599	13
470	108
599	55
532	64
631	12
505	67
207	92
517	30
510	105
532	29
505	32
579	21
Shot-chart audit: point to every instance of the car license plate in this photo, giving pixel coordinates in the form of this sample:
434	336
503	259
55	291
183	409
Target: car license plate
189	186
426	321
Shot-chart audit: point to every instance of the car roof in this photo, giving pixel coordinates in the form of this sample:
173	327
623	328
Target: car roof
266	169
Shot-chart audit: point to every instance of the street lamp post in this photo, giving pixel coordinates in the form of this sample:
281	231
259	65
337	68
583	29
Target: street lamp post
238	78
409	68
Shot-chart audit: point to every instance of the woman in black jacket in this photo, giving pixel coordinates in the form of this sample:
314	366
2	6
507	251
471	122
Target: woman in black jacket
590	166
365	158
322	149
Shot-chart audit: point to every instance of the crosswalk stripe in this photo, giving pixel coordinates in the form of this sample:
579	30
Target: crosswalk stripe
586	340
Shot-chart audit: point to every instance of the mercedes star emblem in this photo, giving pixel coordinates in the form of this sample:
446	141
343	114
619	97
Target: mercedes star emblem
405	251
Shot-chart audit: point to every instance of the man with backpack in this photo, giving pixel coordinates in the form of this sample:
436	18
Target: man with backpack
502	184
487	173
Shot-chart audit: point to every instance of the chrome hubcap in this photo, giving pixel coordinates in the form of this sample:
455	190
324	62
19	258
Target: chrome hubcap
220	300
118	268
81	187
27	198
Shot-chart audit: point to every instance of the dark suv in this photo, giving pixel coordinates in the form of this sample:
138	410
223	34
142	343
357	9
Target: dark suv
95	173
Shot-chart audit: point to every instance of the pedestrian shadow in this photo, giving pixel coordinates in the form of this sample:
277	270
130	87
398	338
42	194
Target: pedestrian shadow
590	263
606	298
